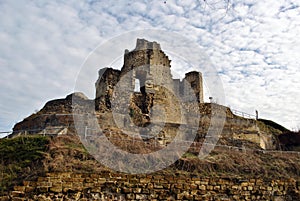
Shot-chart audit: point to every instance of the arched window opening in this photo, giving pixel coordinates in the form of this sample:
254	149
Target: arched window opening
137	85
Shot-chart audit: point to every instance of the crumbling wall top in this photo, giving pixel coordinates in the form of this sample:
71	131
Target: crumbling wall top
193	73
142	44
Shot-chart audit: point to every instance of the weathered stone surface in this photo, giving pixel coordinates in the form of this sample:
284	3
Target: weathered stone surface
116	187
149	65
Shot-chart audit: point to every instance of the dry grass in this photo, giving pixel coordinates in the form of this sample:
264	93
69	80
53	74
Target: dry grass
229	163
21	158
66	153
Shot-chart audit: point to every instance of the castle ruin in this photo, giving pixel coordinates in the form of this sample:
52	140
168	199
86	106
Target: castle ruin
149	66
144	99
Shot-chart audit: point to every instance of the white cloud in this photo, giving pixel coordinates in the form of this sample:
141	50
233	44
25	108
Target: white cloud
254	45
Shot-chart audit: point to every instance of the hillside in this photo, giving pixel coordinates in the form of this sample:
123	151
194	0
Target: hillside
66	150
38	156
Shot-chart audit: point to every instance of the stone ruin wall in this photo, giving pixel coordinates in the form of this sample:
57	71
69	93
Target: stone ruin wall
151	66
235	127
105	84
159	92
116	186
196	82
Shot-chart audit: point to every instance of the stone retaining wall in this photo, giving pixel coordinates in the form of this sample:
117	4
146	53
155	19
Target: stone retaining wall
111	186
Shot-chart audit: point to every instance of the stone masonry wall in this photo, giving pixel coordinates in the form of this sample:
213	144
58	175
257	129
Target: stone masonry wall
196	83
113	186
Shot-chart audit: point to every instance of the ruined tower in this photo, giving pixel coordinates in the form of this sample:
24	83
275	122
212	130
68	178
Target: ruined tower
148	67
196	82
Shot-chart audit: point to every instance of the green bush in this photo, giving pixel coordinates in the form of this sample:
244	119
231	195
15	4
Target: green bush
19	157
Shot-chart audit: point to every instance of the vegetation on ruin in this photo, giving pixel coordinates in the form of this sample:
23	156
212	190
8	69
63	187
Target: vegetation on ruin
21	158
28	157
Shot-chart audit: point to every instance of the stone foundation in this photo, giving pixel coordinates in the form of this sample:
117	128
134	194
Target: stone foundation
112	186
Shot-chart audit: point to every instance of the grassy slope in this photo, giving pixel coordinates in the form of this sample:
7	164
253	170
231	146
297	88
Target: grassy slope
274	125
21	158
27	157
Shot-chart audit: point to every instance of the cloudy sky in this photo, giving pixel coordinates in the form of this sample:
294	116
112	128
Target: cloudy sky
254	45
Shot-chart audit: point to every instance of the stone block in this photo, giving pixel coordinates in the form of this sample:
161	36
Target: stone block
176	191
244	184
278	193
90	180
188	196
186	186
67	184
101	180
236	187
194	192
210	188
17	193
158	186
145	191
181	181
244	193
180	196
55	179
27	183
217	188
18	199
78	179
179	186
224	187
88	185
139	185
126	190
150	186
141	197
158	177
42	189
96	190
137	190
145	180
29	189
198	197
166	186
130	196
65	175
170	179
78	186
259	182
5	198
19	188
204	182
133	181
76	175
202	187
44	184
153	196
262	187
56	189
43	179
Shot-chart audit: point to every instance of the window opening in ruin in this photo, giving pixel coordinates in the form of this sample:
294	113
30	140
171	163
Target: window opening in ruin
141	76
137	87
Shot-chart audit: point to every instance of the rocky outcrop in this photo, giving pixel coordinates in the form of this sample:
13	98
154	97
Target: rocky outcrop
55	118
